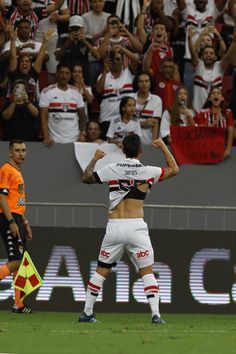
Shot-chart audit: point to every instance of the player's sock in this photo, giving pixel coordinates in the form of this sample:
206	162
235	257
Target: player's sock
4	271
17	303
152	292
94	286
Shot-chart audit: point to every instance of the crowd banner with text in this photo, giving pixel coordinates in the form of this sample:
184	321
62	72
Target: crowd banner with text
84	153
197	145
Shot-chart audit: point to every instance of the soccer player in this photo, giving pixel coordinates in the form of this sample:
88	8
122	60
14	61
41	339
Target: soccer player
129	182
14	227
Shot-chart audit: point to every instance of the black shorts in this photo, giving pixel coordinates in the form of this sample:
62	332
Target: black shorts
15	247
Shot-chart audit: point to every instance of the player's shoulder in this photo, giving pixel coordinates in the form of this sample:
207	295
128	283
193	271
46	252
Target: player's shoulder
7	168
74	89
48	89
155	98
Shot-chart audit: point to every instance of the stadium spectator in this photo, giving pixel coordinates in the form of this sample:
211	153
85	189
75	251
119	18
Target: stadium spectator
181	114
148	107
93	132
24	43
60	105
197	16
24	10
208	71
129	183
20	116
114	83
153	12
158	50
229	20
117	34
74	49
215	114
95	23
58	20
84	90
23	68
165	83
211	37
127	11
126	124
14	227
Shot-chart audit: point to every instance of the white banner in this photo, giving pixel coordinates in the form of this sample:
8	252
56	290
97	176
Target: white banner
84	153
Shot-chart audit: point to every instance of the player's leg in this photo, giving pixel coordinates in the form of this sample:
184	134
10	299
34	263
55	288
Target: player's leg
109	253
142	255
95	284
151	290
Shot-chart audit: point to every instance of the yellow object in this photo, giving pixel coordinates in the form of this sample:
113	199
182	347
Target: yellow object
27	278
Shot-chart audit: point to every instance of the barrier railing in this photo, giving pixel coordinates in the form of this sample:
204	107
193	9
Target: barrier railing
223	221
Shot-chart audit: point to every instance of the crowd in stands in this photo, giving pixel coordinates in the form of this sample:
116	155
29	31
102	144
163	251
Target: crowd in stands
95	71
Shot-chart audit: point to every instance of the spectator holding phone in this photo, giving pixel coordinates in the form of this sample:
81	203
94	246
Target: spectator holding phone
20	116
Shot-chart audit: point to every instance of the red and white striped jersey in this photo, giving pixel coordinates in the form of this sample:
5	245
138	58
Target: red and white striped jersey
62	112
204	80
198	21
118	130
114	90
34	16
78	7
123	177
123	42
206	117
152	108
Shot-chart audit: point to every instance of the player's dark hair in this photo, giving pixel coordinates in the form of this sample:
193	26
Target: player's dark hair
15	141
136	80
131	145
23	20
123	103
63	64
113	16
202	50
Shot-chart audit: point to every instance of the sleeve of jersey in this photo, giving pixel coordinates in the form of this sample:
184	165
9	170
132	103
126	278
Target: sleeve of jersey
158	109
44	99
111	130
102	175
138	129
156	174
80	100
5	178
230	120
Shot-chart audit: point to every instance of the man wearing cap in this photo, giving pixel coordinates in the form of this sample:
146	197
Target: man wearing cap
75	48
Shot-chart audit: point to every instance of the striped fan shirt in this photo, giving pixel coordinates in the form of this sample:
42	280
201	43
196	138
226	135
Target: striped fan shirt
204	80
114	90
62	112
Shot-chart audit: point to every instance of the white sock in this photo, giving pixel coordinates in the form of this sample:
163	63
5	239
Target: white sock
152	292
94	286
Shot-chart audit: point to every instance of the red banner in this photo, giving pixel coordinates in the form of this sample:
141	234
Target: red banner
203	145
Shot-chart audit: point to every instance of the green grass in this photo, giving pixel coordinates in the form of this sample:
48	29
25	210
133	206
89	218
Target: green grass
49	333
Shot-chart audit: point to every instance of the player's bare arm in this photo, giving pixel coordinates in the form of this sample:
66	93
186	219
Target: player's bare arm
88	176
172	168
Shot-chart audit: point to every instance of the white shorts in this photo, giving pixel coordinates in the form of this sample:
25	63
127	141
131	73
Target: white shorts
129	235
